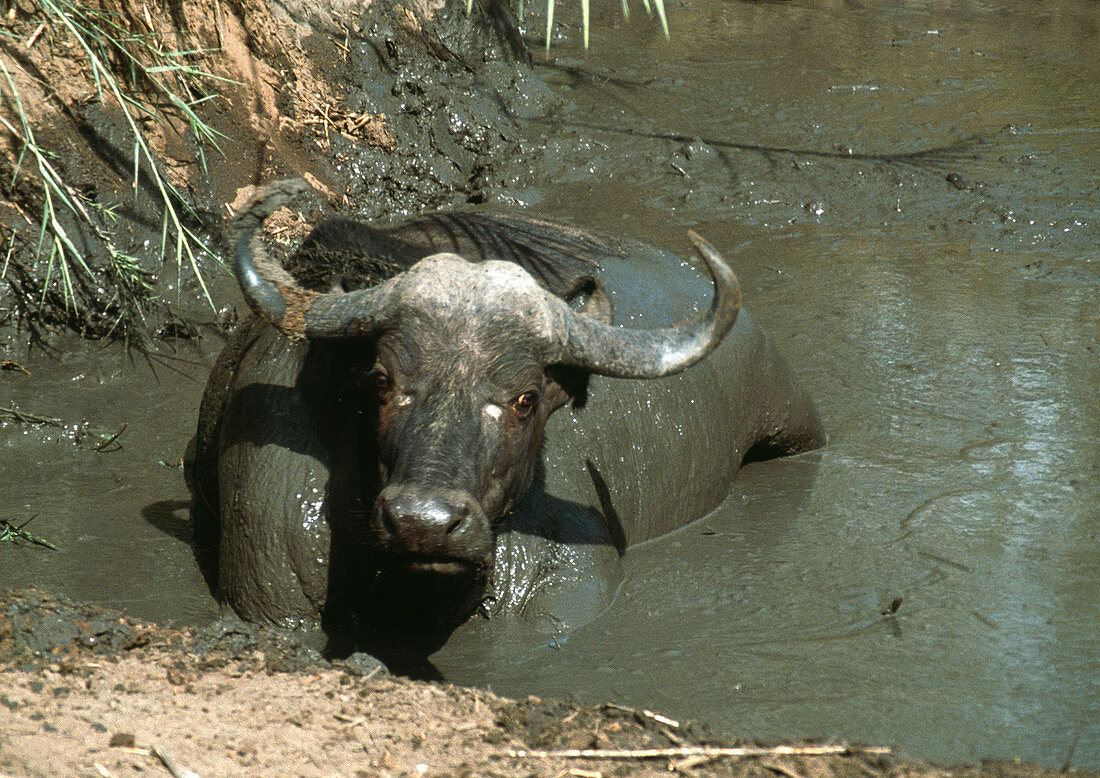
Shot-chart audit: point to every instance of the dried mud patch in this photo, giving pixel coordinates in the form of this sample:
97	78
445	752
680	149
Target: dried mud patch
86	691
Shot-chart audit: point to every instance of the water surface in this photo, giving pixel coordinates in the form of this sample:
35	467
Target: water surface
910	195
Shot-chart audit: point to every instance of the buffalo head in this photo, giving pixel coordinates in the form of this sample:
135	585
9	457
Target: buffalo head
469	361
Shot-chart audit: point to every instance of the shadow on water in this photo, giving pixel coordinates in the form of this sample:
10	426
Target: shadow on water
935	157
172	517
177	519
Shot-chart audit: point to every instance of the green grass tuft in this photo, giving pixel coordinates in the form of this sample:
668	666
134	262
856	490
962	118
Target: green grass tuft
121	64
658	4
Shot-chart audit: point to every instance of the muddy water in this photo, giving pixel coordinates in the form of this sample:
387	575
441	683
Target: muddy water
116	508
910	196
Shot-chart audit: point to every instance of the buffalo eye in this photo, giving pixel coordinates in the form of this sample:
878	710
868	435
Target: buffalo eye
525	403
382	382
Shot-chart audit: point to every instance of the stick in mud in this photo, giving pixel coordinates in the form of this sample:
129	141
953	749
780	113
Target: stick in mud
15	533
31	418
643	714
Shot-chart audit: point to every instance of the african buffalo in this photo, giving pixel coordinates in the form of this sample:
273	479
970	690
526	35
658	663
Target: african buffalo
370	448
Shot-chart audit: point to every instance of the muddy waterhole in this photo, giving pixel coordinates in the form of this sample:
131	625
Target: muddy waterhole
909	195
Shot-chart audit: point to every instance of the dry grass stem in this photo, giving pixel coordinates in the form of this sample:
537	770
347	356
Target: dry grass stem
361	125
782	769
642	713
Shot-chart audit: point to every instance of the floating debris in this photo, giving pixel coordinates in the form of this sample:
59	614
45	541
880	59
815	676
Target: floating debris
16	533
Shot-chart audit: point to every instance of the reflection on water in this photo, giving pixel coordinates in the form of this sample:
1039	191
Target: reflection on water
943	309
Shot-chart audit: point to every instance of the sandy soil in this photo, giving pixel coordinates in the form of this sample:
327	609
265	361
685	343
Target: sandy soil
84	691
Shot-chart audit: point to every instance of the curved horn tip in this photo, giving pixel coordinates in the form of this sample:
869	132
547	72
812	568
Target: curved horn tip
706	251
716	263
273	196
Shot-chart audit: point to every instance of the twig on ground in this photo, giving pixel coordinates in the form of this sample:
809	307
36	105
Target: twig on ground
782	769
103	446
361	125
647	714
693	751
7	364
31	418
34	35
686	766
14	533
672	736
82	434
171	766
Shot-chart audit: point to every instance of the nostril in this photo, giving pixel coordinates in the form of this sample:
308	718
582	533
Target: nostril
429	522
458	517
388	523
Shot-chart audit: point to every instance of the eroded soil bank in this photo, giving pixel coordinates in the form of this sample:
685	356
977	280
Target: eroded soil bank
387	107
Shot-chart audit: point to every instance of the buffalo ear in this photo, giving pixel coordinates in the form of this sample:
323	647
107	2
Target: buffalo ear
566	384
589	297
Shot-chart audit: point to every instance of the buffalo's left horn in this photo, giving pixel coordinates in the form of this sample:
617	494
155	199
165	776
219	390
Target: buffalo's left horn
591	345
274	294
262	280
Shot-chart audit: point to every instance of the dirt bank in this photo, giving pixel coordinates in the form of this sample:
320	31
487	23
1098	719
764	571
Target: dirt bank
128	128
85	691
